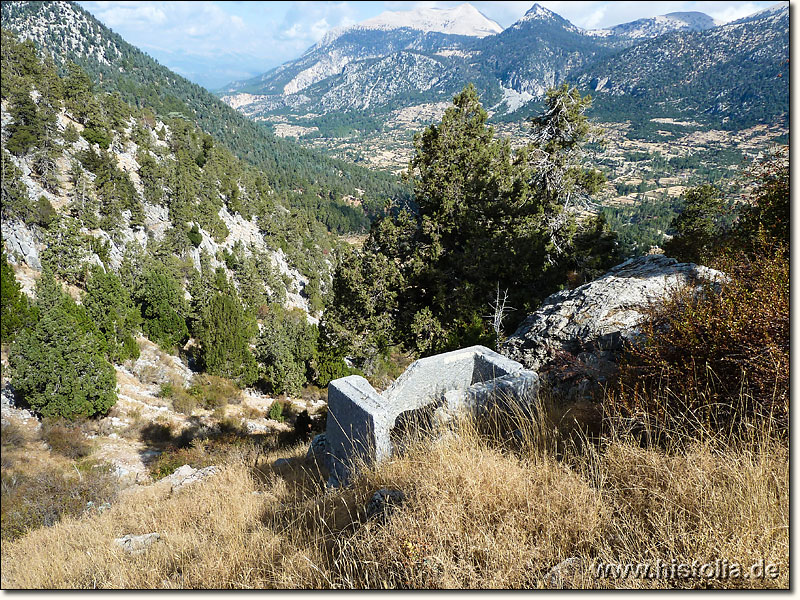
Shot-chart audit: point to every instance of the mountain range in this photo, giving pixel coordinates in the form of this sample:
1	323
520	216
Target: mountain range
684	63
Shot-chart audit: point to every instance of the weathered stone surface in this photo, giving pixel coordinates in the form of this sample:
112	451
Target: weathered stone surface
318	449
21	242
565	575
186	475
362	423
573	340
137	544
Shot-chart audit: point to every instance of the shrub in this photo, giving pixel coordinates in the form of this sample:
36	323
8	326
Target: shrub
96	135
213	392
717	357
44	498
276	411
184	402
66	438
195	236
11	435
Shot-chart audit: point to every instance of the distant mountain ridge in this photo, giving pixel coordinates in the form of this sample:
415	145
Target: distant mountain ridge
659	25
402	60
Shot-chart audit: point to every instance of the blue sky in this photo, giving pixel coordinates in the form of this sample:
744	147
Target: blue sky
213	43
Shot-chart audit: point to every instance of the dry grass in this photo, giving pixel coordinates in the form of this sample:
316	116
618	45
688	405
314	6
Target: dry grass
479	514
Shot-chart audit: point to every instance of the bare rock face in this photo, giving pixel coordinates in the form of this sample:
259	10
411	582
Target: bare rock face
22	243
574	339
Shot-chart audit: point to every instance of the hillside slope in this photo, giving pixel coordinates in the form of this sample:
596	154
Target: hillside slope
69	33
735	75
89	180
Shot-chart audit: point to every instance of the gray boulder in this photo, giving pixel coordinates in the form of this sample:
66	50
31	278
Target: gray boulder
318	449
136	544
187	475
574	339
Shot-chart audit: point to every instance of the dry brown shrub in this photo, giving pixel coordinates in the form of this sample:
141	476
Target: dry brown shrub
66	438
716	359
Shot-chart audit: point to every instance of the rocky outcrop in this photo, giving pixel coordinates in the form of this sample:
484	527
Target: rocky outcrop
22	243
186	475
573	340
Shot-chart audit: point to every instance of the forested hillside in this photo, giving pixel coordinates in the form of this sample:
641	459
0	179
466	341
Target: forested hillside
308	179
157	229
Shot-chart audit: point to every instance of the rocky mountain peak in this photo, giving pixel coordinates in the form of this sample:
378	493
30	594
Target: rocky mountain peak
464	19
776	10
538	13
654	26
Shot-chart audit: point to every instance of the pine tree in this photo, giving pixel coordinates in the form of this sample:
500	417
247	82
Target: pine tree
224	332
109	305
485	218
162	306
698	228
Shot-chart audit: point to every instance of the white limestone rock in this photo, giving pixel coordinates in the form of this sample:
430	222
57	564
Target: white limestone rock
572	341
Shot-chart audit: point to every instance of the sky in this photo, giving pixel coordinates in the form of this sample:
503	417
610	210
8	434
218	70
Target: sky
213	42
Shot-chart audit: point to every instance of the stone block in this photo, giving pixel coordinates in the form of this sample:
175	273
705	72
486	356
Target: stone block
364	425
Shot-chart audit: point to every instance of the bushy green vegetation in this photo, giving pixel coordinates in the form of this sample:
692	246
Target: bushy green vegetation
163	308
110	306
58	366
285	349
223	332
16	311
487	220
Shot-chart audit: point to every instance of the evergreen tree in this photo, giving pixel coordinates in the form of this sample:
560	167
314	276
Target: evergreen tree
285	349
485	218
14	201
65	250
57	366
698	229
223	333
109	305
15	310
765	219
162	305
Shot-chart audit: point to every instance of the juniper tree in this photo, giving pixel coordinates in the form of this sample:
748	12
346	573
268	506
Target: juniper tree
57	366
485	216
